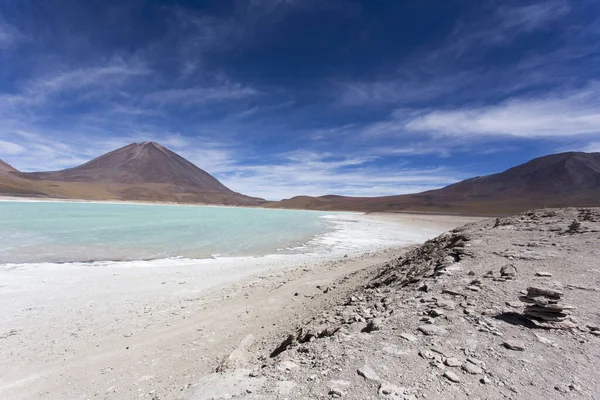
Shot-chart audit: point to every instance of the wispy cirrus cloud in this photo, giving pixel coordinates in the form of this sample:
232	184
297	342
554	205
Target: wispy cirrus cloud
200	95
40	90
317	174
567	113
9	36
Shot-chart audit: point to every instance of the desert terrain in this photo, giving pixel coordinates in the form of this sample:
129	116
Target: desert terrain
501	308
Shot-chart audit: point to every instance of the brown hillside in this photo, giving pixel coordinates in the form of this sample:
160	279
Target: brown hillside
5	167
140	171
567	179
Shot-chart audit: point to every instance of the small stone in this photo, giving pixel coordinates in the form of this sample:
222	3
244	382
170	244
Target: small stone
513	304
543	339
436	312
508	271
367	372
475	361
474	288
451	376
472	368
432	330
286	365
485	380
513	346
426	354
388	389
469	311
452	362
595	333
446	304
336	392
533	291
543	274
575	387
373	325
408	336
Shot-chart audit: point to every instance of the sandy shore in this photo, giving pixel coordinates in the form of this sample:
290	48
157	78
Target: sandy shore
122	332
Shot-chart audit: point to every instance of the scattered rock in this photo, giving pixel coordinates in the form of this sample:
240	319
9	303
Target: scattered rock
451	376
508	271
436	312
511	345
373	325
472	368
543	274
408	336
452	362
368	373
432	330
387	389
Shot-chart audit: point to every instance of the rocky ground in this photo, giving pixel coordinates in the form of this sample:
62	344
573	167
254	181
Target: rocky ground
502	308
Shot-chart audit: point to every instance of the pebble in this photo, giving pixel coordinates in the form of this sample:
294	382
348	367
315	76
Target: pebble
408	336
474	288
513	346
543	274
426	354
436	312
451	376
432	330
367	372
485	380
472	368
452	362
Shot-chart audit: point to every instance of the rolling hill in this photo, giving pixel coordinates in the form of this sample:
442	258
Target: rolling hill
140	171
566	179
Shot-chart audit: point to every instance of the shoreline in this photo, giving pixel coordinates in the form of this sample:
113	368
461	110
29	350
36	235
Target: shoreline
72	331
170	204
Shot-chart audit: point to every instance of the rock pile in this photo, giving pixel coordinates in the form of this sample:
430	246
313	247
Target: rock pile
545	305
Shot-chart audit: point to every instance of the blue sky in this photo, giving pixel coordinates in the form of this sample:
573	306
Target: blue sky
284	97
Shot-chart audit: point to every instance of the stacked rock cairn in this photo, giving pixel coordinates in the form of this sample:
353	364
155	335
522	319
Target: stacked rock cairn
545	305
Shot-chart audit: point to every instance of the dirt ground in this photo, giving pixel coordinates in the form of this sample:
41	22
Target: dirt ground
442	321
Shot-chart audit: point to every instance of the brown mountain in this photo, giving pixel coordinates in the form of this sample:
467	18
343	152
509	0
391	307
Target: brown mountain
4	167
140	171
566	179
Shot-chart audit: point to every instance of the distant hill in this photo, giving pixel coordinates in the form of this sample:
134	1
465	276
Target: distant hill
566	179
140	171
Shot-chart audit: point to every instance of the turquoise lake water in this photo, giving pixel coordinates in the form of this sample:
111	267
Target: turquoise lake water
32	232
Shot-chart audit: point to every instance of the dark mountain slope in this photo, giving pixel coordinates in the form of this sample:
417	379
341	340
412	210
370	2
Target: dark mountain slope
5	167
566	179
140	171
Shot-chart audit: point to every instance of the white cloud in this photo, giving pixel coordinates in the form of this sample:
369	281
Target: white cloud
10	148
317	174
9	36
40	91
593	147
575	112
200	95
532	16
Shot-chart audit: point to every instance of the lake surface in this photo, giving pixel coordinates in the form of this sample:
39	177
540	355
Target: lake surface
37	232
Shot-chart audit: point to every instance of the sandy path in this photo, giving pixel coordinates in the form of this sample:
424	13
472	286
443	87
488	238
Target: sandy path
121	333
